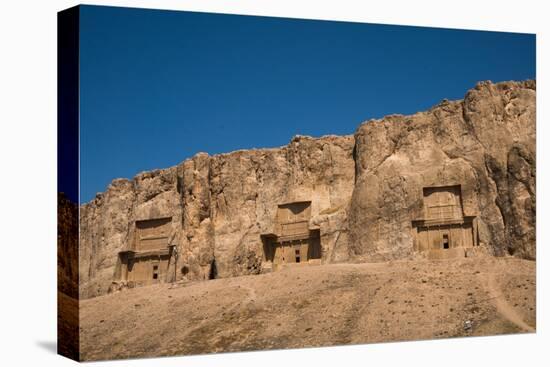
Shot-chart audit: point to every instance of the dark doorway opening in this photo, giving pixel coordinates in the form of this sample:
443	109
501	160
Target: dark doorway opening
445	241
297	254
213	270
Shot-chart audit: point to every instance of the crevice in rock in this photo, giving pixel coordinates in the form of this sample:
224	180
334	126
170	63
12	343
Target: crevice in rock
213	274
355	162
469	125
492	170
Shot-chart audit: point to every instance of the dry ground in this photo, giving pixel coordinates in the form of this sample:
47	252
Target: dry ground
306	306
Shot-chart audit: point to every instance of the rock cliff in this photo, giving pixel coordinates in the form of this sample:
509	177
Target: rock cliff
485	143
67	246
219	206
364	191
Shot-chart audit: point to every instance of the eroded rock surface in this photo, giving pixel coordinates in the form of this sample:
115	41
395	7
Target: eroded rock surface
219	206
485	143
364	191
67	246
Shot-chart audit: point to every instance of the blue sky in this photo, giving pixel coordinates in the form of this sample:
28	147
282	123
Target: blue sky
159	86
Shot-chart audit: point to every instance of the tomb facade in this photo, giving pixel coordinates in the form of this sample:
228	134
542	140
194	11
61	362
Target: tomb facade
443	230
293	241
147	261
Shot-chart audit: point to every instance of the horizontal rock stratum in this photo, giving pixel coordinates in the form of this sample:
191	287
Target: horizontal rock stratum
461	174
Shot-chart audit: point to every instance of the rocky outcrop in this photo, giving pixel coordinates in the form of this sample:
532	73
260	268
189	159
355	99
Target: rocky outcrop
67	246
219	206
364	190
485	143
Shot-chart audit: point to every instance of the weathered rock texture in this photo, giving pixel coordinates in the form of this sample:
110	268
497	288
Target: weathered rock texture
485	143
364	190
67	246
219	207
68	321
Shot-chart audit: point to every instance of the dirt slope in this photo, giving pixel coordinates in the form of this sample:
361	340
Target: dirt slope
309	306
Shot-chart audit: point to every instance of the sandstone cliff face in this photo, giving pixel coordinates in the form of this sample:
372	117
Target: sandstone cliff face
364	190
219	206
485	143
67	246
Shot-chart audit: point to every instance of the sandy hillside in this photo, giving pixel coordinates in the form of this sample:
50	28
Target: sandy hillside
309	306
